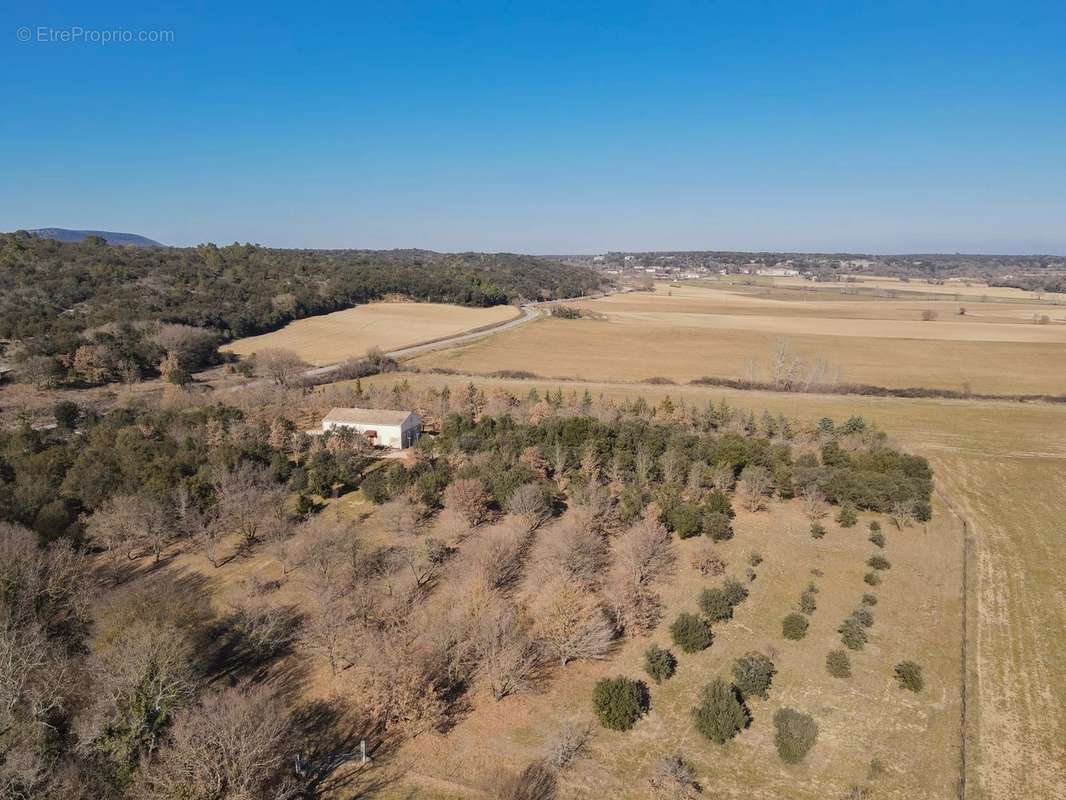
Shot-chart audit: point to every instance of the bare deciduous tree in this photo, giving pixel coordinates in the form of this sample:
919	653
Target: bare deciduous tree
233	745
814	504
469	498
281	365
507	658
528	504
127	524
754	486
571	623
247	501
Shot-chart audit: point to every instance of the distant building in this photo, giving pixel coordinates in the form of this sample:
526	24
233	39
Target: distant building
382	427
778	272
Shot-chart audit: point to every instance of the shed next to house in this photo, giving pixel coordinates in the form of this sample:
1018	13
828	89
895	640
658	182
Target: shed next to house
383	427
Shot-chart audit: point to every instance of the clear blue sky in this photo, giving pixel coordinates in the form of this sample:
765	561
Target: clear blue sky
873	126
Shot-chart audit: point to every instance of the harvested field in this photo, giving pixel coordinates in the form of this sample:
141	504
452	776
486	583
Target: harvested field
685	333
330	338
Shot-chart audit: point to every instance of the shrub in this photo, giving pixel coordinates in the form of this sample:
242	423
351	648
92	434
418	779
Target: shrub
66	414
864	616
794	627
877	561
808	604
755	559
852	634
795	734
706	560
838	664
659	663
718	502
375	487
735	591
909	676
847	516
691	633
877	539
869	599
717	526
874	526
686	520
537	781
720	714
715	604
619	702
753	674
872	578
817	530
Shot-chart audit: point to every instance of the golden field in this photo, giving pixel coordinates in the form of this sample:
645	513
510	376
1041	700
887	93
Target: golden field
330	338
685	332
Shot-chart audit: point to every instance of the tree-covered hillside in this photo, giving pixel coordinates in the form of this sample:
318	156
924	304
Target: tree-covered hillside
57	296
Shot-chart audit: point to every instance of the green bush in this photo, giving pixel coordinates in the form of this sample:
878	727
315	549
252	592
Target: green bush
66	414
878	539
795	734
869	599
755	559
735	592
808	604
794	627
864	616
717	526
691	633
375	487
874	526
877	561
715	604
686	520
847	516
619	702
872	578
720	714
838	664
717	502
817	530
909	676
752	674
659	663
852	634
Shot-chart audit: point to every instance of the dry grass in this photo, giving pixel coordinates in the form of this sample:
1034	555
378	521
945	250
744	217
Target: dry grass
860	719
330	338
1004	465
684	333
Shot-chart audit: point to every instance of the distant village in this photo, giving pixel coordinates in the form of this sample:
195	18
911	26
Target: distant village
688	265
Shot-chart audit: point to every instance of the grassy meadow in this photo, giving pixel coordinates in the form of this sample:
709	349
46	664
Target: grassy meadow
330	338
685	332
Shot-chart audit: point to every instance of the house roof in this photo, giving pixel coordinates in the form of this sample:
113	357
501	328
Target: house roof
367	416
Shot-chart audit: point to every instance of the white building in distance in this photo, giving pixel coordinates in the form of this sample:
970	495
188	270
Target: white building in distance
382	427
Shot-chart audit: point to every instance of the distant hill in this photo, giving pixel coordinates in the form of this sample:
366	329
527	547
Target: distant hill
67	235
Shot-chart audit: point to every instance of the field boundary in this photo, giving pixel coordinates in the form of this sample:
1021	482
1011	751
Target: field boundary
964	683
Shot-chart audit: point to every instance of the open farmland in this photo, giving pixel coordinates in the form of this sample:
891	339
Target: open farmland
683	333
1003	465
330	338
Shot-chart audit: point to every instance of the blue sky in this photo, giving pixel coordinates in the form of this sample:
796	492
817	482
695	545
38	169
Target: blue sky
546	128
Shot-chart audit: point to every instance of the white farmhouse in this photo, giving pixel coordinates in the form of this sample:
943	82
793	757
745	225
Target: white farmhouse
383	427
